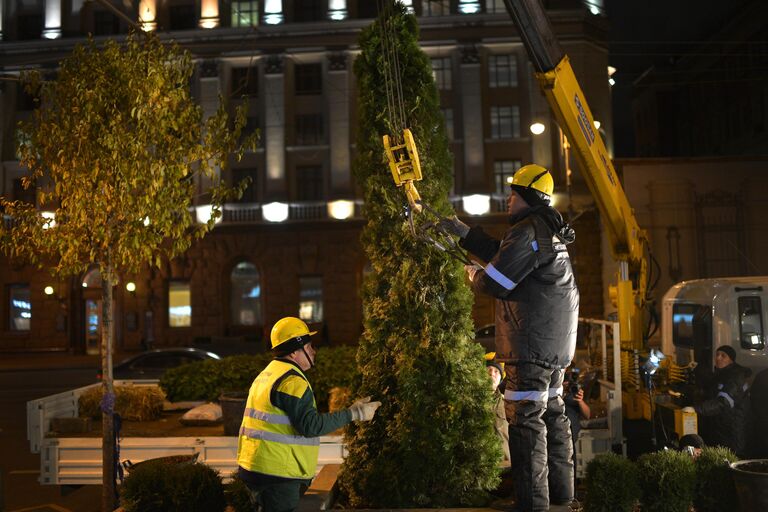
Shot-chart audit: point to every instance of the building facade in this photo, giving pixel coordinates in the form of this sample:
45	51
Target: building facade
291	246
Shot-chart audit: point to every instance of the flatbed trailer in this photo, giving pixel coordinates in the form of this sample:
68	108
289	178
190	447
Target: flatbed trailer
76	459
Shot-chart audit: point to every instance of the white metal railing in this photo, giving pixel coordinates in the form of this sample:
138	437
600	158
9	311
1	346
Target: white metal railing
610	381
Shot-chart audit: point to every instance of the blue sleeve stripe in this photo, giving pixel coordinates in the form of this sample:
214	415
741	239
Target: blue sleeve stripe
500	278
535	246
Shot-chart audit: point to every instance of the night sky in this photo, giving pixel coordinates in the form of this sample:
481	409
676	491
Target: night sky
655	32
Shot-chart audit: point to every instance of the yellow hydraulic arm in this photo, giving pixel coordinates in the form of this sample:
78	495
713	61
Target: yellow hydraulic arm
628	241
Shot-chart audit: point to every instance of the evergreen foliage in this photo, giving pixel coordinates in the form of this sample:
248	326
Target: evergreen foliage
206	380
667	480
432	442
715	489
160	486
612	484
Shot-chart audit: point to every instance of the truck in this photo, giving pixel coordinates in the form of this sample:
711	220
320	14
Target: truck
698	315
702	314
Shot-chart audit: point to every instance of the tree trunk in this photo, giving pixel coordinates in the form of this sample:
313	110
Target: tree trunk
108	502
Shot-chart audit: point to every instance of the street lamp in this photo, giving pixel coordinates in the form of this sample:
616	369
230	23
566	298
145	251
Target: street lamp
537	128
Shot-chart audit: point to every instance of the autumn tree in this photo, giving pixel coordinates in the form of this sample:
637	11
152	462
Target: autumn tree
432	442
116	149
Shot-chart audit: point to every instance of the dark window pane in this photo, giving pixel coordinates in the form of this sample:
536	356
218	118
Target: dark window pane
182	17
308	10
245	298
250	193
309	78
105	23
309	129
245	81
30	26
309	183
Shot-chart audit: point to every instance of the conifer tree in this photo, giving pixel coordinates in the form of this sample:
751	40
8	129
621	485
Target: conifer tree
432	442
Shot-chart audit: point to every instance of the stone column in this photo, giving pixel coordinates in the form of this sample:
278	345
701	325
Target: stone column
338	115
209	102
274	123
472	113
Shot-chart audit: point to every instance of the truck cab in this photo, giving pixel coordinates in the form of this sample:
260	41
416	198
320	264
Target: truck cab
700	315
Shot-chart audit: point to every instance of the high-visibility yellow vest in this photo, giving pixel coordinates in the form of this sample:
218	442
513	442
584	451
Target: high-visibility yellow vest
268	442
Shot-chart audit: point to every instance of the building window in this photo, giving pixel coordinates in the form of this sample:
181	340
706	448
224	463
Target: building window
29	26
249	194
502	71
105	23
179	304
505	122
503	169
26	195
435	8
182	17
441	72
245	13
448	118
20	307
311	299
495	6
309	183
245	299
308	10
751	330
309	129
245	81
309	79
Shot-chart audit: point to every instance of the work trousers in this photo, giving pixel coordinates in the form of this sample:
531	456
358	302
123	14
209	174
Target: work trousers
539	437
274	494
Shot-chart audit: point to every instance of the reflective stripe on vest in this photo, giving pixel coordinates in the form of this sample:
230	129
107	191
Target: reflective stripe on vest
277	419
268	443
279	438
500	278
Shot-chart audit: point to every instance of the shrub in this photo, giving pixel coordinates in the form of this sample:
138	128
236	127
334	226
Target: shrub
206	380
157	486
133	403
667	481
612	484
238	495
715	489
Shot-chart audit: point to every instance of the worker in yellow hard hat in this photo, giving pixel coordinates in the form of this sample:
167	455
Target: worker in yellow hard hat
537	307
496	373
279	436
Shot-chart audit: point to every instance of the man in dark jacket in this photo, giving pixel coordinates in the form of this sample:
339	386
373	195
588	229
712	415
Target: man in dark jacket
529	273
724	409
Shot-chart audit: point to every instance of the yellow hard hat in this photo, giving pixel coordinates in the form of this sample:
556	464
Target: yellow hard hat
534	183
289	334
490	360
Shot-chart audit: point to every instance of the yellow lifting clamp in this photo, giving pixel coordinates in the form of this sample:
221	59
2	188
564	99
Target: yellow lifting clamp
405	167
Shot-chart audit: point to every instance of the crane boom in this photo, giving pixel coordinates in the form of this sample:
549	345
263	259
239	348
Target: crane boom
564	95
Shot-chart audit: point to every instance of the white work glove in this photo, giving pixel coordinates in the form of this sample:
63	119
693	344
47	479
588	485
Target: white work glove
363	409
455	226
472	270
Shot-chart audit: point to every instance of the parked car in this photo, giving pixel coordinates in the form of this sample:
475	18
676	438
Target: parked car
153	363
486	336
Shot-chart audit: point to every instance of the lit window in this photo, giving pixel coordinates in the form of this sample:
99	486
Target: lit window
245	294
179	304
505	122
311	299
441	71
245	13
503	169
502	71
751	323
448	117
21	307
